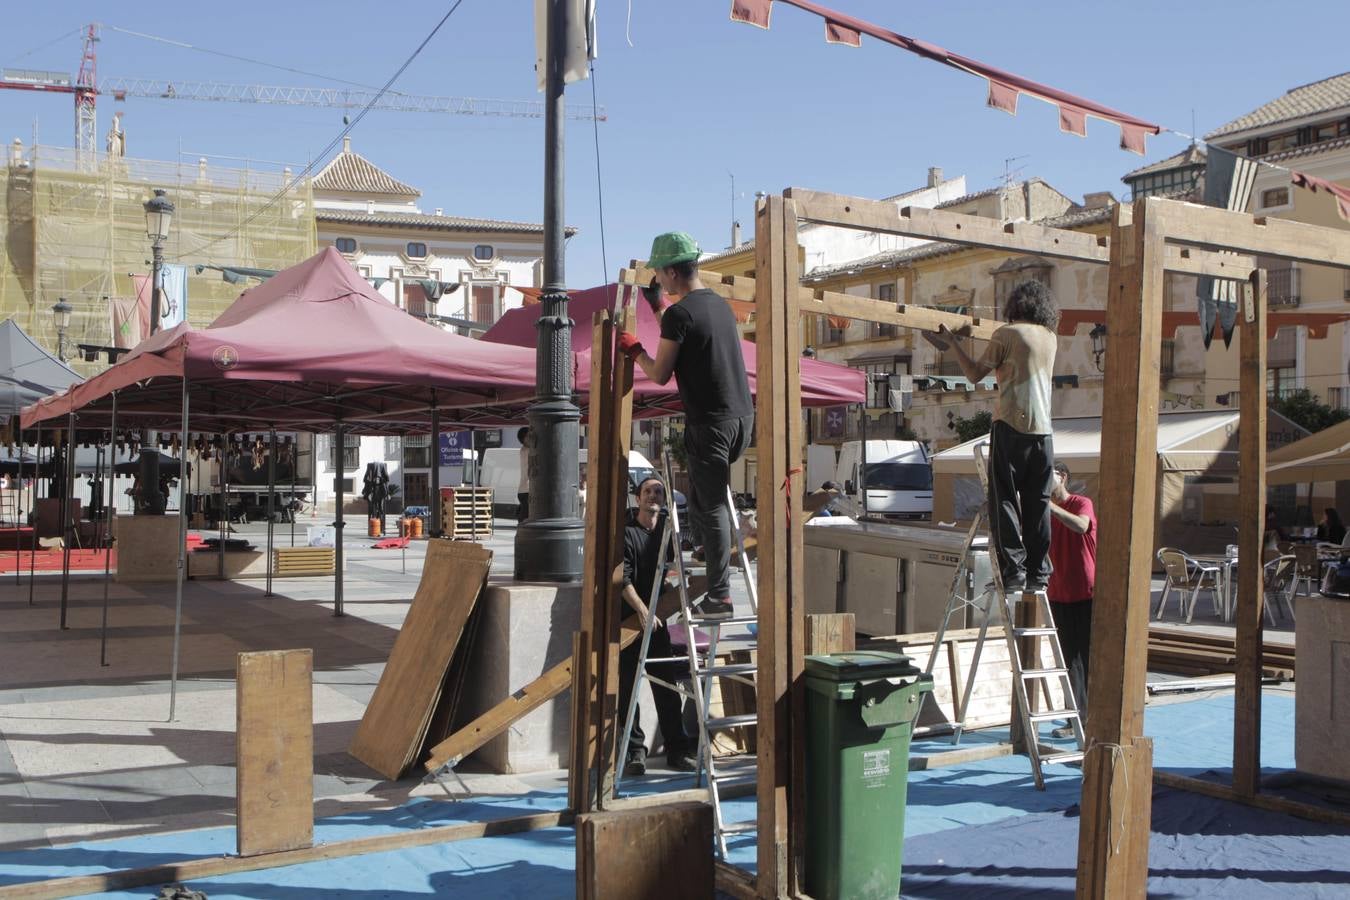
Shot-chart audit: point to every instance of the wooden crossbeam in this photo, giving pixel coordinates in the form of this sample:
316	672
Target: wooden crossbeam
1194	261
1207	226
955	228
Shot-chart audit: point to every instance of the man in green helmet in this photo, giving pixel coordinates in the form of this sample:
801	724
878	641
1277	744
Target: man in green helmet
701	347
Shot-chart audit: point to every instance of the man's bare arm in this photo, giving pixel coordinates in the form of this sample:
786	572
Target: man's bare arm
973	370
1075	523
662	367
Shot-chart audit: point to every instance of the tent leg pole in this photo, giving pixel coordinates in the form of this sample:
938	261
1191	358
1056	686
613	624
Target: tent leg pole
37	472
18	525
437	515
295	465
271	502
182	557
108	514
223	466
68	517
340	453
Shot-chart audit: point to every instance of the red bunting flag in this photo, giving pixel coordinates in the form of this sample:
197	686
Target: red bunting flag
845	29
1314	184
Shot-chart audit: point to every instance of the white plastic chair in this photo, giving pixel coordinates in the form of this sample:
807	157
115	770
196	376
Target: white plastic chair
1279	583
1185	573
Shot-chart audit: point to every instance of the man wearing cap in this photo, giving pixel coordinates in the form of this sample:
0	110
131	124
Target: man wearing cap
642	578
701	347
1073	550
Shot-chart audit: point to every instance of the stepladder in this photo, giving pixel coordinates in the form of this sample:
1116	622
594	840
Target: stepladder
1038	671
707	652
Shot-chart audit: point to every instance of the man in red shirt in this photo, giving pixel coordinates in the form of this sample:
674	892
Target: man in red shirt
1073	551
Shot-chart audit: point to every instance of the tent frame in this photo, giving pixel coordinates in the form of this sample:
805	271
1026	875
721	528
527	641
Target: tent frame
1149	238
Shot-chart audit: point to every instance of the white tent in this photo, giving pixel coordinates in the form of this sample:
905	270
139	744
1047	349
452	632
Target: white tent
1197	473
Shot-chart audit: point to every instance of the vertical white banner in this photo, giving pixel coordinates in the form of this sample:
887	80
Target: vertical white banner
172	295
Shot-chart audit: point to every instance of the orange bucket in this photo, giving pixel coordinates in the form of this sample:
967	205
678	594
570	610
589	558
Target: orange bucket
415	524
375	528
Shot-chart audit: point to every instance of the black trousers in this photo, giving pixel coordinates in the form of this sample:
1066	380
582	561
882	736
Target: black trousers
669	708
522	507
712	448
1020	478
1073	622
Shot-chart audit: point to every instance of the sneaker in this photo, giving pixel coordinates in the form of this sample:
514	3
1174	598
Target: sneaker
1062	732
713	608
682	761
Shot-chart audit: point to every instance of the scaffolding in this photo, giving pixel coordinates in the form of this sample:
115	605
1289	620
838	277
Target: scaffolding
67	231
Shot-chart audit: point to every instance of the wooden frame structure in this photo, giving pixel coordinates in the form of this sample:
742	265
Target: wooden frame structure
1148	239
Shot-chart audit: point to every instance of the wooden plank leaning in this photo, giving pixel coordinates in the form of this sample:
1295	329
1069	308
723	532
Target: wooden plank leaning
274	735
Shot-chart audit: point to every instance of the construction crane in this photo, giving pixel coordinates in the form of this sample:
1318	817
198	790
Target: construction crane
86	87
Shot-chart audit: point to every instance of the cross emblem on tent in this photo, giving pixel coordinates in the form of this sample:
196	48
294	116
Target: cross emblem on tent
225	358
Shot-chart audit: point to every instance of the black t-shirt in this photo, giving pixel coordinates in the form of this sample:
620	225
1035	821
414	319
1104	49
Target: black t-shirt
710	370
641	552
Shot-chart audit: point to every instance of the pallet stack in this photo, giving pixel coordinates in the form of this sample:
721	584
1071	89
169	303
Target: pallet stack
1197	653
466	512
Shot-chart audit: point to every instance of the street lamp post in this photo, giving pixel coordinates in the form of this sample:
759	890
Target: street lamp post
158	216
549	544
61	311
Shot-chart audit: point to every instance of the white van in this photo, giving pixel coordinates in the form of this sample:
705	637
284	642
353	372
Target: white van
899	480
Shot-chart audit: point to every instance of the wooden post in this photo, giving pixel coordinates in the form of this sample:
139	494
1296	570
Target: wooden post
1251	527
1114	828
779	489
275	751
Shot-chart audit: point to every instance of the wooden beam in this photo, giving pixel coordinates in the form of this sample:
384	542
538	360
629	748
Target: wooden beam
211	867
1240	232
835	303
1251	527
1194	261
1108	859
830	633
1323	814
976	231
734	880
274	751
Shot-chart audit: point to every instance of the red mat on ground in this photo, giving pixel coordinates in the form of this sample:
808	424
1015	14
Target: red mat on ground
50	560
390	544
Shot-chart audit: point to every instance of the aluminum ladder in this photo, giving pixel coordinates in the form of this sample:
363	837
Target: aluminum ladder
1025	679
703	667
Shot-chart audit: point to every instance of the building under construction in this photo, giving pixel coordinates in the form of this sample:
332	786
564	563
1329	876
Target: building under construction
72	230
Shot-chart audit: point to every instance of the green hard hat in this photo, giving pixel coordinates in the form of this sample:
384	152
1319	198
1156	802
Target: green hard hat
671	248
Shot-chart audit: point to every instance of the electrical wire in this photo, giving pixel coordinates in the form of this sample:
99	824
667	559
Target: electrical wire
234	56
599	181
323	154
48	44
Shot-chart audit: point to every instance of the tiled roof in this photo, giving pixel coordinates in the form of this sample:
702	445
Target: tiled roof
968	197
1308	100
352	172
1076	218
434	223
1194	155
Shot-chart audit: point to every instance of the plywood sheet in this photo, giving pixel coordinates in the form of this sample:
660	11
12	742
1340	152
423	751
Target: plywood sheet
274	733
661	853
394	727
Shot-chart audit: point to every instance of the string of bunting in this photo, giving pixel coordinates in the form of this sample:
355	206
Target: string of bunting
1006	87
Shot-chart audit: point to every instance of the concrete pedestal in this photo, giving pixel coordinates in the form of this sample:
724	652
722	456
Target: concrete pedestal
147	547
1322	703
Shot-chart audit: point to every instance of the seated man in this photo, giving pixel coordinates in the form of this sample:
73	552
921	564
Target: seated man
641	554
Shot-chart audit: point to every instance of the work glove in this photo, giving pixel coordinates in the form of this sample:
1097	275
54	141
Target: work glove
630	346
655	299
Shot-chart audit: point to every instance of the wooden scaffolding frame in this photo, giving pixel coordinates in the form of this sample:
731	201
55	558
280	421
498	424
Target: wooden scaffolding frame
1148	239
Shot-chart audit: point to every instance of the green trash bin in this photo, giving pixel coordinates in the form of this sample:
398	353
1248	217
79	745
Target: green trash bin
860	712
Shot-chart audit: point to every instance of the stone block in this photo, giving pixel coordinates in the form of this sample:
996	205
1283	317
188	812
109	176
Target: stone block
1322	704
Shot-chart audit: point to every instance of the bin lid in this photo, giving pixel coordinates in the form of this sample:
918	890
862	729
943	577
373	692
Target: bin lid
857	665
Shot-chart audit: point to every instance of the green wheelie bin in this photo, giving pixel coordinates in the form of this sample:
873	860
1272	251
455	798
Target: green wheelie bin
860	711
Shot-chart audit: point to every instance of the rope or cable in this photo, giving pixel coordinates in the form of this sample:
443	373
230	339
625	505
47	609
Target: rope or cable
323	154
257	62
599	182
48	44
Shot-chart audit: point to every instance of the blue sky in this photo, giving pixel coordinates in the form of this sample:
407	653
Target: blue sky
694	100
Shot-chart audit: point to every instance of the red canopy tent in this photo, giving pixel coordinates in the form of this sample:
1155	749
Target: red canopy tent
823	383
311	346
